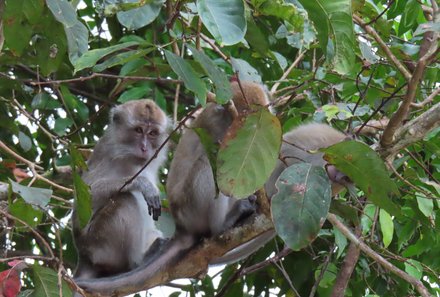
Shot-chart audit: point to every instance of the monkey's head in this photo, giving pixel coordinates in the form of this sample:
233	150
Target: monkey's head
247	93
138	128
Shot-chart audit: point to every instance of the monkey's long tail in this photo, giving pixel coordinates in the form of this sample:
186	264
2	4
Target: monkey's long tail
244	250
140	277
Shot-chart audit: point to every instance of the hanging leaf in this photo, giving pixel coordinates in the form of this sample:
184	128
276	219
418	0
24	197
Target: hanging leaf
301	205
366	169
225	19
387	227
333	21
76	33
90	58
189	76
139	17
249	153
46	282
222	86
35	196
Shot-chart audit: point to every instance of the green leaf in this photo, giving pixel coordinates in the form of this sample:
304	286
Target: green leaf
121	59
46	283
409	16
340	240
211	148
426	205
225	19
414	268
61	125
35	196
333	20
141	16
246	160
301	205
245	71
133	94
387	227
17	32
25	141
189	76
76	33
83	198
222	86
282	9
25	212
90	58
366	169
426	27
44	101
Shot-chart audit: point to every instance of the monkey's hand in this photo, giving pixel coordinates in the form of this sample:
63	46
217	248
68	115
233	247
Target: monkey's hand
151	196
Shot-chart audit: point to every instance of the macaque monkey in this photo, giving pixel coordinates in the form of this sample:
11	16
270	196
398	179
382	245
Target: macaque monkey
121	228
198	209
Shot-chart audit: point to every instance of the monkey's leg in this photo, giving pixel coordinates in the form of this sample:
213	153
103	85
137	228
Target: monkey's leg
239	210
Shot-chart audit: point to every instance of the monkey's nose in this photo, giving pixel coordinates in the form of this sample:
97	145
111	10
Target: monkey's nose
143	149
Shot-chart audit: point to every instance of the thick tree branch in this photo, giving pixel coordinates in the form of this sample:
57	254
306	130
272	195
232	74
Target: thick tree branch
350	261
378	258
412	131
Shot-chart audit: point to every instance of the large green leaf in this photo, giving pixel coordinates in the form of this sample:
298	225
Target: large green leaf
32	195
249	153
301	204
83	198
333	20
90	58
46	283
387	227
222	86
76	33
281	9
139	17
366	169
245	71
25	212
225	19
121	59
189	76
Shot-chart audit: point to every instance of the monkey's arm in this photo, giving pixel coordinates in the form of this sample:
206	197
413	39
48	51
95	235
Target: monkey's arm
107	188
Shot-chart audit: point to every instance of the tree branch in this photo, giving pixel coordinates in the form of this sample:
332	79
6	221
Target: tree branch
412	131
378	258
370	30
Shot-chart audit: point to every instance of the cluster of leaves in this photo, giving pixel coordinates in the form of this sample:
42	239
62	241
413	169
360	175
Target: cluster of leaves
63	64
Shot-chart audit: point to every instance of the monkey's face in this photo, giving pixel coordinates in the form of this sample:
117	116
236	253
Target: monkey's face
142	140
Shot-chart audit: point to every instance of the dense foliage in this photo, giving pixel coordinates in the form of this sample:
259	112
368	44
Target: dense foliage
369	68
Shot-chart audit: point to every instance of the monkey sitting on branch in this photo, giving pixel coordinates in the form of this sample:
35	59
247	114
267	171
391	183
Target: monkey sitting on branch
121	228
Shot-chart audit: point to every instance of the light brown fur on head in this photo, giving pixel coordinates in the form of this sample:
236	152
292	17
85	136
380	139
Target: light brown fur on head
139	109
248	94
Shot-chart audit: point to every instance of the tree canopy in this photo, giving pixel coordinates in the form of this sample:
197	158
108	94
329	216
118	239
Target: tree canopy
368	68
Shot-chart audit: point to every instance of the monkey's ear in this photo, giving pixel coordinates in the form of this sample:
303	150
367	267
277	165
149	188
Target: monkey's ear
115	115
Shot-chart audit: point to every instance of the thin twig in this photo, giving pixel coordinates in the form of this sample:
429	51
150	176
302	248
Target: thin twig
106	75
35	232
287	72
33	167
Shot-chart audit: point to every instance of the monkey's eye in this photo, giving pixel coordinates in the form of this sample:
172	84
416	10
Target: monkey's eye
138	130
153	133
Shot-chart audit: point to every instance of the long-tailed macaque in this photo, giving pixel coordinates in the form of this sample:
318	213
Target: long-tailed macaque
121	228
196	206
